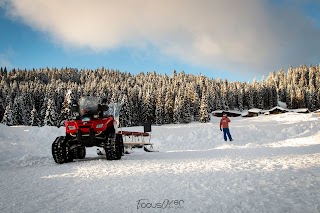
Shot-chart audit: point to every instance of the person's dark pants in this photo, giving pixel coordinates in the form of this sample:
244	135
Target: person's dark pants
226	132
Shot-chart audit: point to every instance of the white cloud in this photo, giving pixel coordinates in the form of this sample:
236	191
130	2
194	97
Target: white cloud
5	58
227	34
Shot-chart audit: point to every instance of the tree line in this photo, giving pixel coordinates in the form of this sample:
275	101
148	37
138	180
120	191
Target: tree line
43	96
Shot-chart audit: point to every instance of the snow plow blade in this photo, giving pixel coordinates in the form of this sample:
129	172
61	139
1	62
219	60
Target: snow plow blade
149	149
130	145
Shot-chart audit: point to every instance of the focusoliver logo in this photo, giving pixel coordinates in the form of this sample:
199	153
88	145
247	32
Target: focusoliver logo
165	204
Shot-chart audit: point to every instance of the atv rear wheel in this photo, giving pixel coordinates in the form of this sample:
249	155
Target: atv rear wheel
119	147
113	147
60	151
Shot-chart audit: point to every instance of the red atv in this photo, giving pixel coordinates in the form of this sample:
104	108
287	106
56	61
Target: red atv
92	126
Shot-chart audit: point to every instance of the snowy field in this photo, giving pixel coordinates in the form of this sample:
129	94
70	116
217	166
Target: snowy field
273	165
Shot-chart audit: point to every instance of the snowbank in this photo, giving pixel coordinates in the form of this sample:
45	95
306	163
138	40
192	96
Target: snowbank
27	145
273	165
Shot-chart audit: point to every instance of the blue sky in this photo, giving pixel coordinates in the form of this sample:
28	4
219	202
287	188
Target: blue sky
236	40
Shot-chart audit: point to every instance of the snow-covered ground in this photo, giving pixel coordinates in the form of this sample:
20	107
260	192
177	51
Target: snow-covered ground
273	165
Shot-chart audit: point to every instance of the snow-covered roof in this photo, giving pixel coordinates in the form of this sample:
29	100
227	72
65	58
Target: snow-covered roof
217	111
226	111
277	107
255	110
244	114
300	110
234	111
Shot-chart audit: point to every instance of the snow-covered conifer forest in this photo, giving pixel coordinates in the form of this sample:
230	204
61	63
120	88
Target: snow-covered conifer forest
41	97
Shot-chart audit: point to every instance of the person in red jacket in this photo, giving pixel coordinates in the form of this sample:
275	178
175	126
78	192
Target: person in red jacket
224	125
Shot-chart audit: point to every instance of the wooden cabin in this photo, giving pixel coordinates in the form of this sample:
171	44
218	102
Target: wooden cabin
254	112
276	110
218	113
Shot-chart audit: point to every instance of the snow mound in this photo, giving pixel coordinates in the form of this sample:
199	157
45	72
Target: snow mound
25	145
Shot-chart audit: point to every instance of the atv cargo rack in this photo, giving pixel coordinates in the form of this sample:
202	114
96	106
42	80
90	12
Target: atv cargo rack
138	139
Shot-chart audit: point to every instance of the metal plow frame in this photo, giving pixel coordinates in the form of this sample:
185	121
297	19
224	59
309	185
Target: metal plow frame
138	138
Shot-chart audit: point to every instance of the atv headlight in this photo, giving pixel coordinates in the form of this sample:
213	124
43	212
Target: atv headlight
99	126
71	127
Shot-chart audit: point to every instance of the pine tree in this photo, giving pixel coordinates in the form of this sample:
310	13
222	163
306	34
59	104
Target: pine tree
177	110
8	117
2	110
282	85
125	112
16	111
50	118
260	95
147	109
231	96
195	102
159	113
288	97
26	109
66	106
313	104
317	82
186	113
34	118
224	97
249	96
219	102
274	96
293	98
204	115
240	94
212	98
312	77
135	101
282	93
43	111
300	98
168	108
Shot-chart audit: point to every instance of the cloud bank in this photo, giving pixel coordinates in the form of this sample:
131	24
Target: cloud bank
248	35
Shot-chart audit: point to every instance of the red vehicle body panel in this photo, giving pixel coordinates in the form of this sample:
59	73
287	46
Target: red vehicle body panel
73	125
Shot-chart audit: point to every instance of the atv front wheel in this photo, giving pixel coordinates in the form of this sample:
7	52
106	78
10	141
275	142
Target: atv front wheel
113	147
60	151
